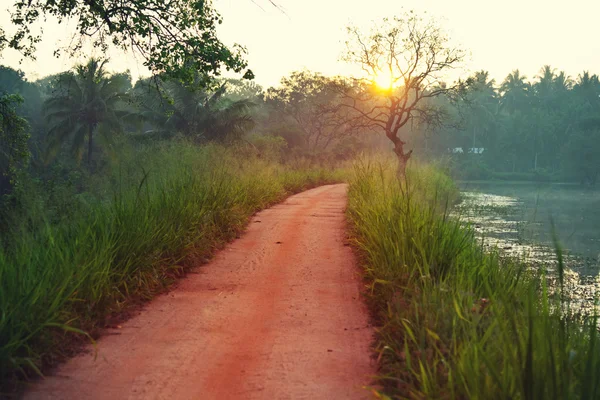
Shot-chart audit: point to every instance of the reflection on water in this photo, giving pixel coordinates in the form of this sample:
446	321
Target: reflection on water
516	219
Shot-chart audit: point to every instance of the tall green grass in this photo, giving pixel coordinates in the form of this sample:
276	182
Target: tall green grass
158	210
454	321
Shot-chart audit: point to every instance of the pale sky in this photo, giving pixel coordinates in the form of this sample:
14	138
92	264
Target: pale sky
500	36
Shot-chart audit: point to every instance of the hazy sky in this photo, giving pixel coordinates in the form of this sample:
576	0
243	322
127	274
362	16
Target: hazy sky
500	35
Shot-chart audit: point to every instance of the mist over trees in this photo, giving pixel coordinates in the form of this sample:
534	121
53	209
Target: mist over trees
318	106
540	128
520	128
196	114
71	126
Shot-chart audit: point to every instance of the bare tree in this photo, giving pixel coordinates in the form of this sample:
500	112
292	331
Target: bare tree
405	60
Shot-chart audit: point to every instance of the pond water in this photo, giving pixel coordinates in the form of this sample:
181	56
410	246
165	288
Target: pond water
518	219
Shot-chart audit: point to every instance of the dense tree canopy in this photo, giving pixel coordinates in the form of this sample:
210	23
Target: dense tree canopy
176	38
195	113
545	128
316	105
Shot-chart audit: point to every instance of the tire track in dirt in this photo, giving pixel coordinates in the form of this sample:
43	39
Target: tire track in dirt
277	314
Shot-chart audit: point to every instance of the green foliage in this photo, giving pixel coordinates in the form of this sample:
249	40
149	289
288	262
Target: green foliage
312	108
454	321
84	104
243	89
14	133
174	37
173	108
525	128
73	257
581	155
270	147
13	82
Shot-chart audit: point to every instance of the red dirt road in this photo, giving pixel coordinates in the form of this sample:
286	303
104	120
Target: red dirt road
276	315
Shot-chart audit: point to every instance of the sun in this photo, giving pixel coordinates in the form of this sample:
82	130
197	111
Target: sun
383	80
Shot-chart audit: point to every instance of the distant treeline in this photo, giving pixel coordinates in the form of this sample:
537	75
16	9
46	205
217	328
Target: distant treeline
74	120
547	128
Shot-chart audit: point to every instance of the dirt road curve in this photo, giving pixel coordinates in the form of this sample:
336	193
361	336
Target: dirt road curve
276	315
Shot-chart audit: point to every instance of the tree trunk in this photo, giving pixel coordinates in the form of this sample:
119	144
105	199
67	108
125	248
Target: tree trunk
90	145
399	150
402	158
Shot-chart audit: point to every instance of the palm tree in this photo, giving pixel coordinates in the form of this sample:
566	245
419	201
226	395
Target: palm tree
587	88
562	82
192	112
514	91
515	102
86	102
483	103
545	82
586	80
481	82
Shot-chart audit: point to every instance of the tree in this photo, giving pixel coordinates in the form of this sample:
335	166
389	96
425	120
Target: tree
87	102
587	88
581	152
13	140
193	112
514	90
314	103
405	59
13	82
480	96
545	81
515	106
175	37
243	89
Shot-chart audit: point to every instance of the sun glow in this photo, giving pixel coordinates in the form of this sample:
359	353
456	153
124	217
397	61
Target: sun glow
383	80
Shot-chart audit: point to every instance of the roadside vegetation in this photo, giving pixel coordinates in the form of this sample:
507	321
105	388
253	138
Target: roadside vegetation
70	259
110	191
454	321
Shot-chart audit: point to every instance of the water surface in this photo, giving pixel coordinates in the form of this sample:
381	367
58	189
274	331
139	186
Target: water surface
518	219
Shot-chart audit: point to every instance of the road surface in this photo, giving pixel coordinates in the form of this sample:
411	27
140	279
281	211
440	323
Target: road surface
277	314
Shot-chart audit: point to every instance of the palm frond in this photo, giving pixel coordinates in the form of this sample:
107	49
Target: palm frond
82	100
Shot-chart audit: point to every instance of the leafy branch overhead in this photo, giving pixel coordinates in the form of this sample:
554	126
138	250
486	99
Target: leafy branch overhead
176	38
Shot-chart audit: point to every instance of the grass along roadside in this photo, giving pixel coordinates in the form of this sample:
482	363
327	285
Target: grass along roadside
159	210
454	321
